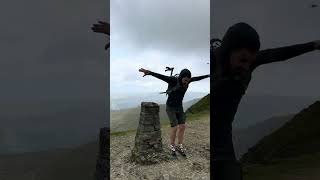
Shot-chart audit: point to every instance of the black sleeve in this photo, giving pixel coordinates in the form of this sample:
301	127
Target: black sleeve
282	53
198	78
168	79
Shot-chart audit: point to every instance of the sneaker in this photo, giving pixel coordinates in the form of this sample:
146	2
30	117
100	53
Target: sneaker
181	150
172	150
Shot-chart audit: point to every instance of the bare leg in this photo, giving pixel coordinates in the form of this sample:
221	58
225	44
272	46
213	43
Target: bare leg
173	132
181	128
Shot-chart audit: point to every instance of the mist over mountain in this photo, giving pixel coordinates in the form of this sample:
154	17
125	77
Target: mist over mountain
124	101
256	108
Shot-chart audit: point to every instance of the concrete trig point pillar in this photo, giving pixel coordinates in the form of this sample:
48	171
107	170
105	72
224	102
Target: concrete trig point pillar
148	142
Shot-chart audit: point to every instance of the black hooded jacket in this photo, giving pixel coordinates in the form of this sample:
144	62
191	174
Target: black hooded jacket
176	90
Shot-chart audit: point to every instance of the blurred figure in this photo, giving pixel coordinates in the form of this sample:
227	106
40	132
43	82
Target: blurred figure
232	64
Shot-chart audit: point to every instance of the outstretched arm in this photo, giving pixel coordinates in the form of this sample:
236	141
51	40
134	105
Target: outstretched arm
198	78
167	79
284	53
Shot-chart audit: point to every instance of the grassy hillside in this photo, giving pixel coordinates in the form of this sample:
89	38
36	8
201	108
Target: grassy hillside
299	136
128	119
243	139
200	108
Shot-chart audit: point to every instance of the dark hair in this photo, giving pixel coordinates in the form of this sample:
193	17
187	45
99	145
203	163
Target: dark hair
240	35
184	73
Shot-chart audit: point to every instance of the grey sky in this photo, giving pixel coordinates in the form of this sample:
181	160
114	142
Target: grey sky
156	34
279	23
48	49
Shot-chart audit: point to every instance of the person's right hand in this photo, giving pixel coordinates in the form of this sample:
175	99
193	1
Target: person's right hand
101	27
146	72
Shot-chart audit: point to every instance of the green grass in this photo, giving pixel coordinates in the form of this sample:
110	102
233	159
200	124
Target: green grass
199	110
200	107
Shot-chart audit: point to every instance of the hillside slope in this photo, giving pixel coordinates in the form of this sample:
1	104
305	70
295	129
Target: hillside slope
243	139
301	135
290	153
203	105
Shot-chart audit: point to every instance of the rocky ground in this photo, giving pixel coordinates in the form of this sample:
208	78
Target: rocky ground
195	166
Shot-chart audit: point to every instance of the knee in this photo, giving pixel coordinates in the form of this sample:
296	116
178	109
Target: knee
174	128
182	126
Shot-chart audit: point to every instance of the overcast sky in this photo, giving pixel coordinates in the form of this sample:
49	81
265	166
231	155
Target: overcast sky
48	49
279	23
153	35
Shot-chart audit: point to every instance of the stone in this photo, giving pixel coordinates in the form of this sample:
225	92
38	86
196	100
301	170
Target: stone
148	142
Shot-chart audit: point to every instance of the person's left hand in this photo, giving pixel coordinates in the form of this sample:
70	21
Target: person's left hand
317	44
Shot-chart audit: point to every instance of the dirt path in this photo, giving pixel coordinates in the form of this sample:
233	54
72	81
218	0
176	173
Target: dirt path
196	166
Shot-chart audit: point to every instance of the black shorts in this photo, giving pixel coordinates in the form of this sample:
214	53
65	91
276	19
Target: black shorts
176	116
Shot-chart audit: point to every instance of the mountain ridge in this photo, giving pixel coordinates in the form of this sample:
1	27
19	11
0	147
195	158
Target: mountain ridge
296	137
